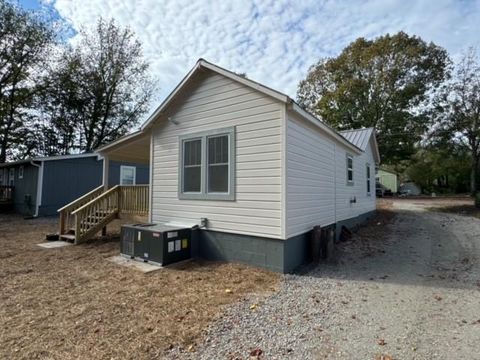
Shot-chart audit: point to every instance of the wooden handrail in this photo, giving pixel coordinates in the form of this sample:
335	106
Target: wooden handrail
95	214
91	202
80	199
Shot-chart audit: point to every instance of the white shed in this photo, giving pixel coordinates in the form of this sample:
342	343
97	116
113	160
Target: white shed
258	167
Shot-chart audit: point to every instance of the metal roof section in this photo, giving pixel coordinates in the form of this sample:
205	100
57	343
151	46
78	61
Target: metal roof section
358	137
361	138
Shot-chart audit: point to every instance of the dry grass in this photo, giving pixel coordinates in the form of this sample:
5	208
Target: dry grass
71	303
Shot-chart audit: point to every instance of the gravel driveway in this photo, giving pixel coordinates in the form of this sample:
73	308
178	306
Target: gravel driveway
414	293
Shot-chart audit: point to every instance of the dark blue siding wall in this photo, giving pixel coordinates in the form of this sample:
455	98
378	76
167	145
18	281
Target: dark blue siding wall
25	186
68	179
142	173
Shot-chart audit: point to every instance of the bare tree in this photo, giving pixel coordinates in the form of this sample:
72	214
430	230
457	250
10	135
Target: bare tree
99	89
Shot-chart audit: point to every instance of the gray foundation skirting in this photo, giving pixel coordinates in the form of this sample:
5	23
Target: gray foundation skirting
282	256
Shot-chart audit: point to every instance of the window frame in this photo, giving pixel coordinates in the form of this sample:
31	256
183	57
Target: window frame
368	175
11	177
122	171
348	169
21	169
204	194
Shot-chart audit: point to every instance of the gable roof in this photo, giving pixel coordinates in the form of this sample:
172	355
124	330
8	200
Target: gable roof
48	158
203	64
361	138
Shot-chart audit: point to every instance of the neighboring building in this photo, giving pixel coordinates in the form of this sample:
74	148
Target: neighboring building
258	167
409	188
42	185
388	179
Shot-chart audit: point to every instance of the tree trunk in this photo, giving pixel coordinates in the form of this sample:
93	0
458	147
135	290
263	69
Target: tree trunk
474	175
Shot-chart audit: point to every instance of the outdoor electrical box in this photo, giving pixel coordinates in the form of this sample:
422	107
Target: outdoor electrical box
156	243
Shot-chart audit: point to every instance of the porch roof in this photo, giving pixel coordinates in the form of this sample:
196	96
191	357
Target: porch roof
134	147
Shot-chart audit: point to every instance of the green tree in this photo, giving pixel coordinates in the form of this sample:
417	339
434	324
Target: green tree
98	90
25	40
457	120
440	169
384	83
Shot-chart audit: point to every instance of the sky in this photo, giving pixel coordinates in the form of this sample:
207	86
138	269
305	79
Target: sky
272	41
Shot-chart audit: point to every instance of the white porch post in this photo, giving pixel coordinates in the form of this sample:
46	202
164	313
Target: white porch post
106	165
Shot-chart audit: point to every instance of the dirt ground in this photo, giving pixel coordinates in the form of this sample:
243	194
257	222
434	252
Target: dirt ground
71	303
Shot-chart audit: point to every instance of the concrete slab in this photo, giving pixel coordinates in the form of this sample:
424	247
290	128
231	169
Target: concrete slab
54	244
135	264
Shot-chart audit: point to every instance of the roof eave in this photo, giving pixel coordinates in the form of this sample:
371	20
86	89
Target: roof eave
312	119
201	63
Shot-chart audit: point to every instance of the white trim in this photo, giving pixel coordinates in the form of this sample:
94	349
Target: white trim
150	185
284	176
51	158
38	200
123	168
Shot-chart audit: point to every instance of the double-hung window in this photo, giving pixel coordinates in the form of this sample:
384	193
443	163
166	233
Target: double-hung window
368	179
11	180
207	165
127	175
20	172
349	169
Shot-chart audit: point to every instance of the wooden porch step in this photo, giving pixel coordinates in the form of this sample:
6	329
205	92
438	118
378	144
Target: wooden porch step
68	237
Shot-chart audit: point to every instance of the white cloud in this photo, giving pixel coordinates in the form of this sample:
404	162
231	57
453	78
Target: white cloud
274	42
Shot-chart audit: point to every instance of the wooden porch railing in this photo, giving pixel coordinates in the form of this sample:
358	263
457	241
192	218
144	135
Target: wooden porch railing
94	215
6	194
67	220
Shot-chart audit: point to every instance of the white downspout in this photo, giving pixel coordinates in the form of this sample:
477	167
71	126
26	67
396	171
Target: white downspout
38	200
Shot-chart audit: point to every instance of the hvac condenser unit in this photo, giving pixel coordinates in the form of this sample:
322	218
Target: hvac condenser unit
156	243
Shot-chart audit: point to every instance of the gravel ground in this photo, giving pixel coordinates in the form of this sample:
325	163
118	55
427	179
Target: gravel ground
406	290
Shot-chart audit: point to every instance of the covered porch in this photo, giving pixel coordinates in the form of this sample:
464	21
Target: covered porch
86	216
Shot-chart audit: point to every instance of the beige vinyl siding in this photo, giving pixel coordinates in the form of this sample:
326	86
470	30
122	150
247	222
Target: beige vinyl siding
310	177
214	102
317	190
365	203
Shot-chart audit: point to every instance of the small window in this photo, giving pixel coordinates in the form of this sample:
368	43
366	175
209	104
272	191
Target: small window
207	165
349	170
127	175
11	180
368	180
20	172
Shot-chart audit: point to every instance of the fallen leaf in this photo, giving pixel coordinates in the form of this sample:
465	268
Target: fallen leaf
228	291
437	297
381	342
253	306
256	352
383	357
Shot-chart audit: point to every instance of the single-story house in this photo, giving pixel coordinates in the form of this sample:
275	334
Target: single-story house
41	185
388	179
252	166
